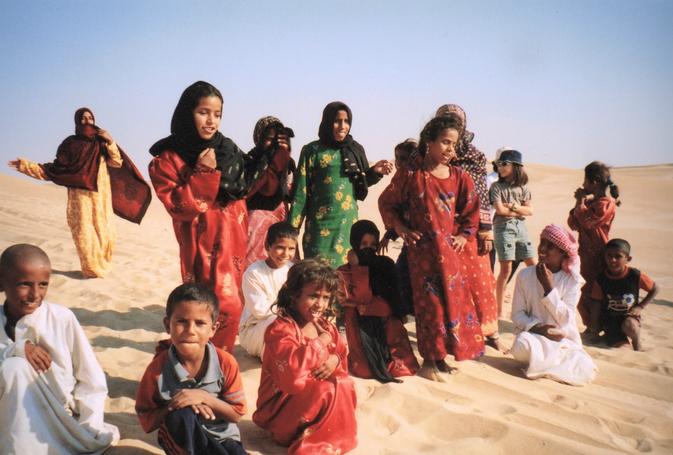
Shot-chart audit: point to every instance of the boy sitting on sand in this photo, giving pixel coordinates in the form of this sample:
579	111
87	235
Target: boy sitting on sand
261	283
615	299
52	389
192	391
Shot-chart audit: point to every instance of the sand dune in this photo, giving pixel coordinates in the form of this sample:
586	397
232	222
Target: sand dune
488	407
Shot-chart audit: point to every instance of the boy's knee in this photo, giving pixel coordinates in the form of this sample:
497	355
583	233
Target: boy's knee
180	419
15	368
521	348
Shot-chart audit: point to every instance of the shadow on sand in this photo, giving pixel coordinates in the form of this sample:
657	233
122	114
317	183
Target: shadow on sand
72	274
148	318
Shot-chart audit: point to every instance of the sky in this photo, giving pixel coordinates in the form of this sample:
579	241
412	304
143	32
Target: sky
563	82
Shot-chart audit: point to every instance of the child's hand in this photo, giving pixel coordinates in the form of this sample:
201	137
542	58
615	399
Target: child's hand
14	164
207	158
635	311
383	167
579	194
548	331
383	245
188	397
204	411
325	370
409	236
458	242
105	136
283	142
37	356
545	277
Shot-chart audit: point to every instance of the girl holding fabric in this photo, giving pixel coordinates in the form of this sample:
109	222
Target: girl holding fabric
202	178
439	196
333	173
101	179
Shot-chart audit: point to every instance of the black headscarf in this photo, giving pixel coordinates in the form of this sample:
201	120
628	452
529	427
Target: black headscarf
258	201
354	160
383	282
238	172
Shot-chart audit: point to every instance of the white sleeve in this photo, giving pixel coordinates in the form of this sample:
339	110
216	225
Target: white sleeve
520	306
562	307
257	299
90	386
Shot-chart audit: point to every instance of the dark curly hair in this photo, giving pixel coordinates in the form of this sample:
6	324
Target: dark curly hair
434	127
302	274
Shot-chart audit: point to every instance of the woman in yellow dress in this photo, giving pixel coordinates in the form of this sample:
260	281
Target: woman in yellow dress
101	180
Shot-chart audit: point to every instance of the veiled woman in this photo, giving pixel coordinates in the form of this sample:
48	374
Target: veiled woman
101	179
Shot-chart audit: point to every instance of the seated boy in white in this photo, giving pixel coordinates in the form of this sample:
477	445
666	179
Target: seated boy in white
261	283
52	389
543	312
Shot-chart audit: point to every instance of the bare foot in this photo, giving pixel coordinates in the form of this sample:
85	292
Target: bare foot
494	342
445	368
635	342
430	371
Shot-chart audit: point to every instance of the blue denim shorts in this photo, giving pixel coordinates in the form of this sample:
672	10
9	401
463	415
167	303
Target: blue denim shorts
511	240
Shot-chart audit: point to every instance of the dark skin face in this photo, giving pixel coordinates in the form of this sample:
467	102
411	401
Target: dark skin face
25	286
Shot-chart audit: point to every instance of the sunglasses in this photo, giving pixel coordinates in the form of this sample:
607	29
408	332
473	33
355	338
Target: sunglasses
502	163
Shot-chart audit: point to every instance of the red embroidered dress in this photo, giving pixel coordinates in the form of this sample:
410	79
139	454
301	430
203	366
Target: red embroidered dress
446	319
212	236
309	415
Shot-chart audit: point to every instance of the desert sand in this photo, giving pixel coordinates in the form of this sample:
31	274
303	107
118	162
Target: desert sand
489	407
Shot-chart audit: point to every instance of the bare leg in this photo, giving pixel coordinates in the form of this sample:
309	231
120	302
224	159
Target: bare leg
436	370
501	283
631	328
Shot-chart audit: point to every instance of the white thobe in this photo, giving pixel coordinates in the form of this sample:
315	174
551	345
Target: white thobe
564	360
59	411
260	287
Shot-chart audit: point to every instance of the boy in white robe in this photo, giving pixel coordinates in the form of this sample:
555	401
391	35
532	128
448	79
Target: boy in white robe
543	313
261	283
52	389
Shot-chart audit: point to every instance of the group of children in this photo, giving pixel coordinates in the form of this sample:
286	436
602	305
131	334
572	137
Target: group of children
192	390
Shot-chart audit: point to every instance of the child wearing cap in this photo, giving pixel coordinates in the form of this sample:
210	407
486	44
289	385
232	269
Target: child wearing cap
511	200
616	304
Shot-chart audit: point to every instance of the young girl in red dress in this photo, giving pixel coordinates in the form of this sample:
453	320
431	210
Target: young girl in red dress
592	218
378	343
306	398
202	178
438	195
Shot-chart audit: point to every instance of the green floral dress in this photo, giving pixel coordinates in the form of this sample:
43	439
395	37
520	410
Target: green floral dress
324	196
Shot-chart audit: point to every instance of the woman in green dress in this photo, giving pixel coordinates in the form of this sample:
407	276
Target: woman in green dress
333	173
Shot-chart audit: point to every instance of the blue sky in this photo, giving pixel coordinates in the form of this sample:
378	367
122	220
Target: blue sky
564	82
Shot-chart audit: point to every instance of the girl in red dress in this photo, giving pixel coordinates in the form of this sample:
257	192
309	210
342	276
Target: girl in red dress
306	398
438	195
202	178
378	343
592	217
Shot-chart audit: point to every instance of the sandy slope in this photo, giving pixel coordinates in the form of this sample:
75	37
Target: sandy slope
489	406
